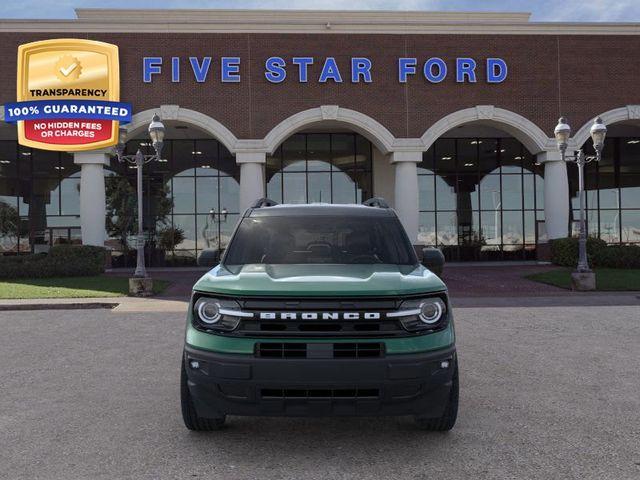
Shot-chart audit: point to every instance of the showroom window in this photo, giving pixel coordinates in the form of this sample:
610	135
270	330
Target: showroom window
321	167
612	192
39	199
193	191
480	199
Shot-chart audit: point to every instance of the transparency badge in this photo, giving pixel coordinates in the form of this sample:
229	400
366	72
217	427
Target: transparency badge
68	95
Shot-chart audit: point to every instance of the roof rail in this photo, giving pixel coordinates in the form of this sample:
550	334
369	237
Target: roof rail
263	202
377	202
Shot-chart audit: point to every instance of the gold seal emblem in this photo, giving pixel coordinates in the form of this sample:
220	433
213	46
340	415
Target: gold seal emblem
68	68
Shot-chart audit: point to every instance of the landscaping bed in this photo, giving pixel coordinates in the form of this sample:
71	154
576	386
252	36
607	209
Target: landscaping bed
607	279
70	287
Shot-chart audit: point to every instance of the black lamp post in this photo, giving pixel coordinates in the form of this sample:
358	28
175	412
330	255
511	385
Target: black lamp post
562	133
156	133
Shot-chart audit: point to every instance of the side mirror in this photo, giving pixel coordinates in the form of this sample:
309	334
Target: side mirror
433	259
209	258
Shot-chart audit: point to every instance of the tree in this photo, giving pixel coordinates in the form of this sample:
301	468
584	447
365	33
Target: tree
9	221
122	208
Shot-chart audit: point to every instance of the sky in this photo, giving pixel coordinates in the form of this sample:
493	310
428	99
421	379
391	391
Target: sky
542	10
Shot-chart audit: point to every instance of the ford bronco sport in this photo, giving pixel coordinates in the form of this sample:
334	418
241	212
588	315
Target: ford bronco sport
319	310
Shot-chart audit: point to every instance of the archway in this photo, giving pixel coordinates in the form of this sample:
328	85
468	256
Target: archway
521	128
325	154
174	114
191	196
327	116
480	185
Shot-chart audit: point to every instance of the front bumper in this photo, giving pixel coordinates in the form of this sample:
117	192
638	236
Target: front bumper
408	384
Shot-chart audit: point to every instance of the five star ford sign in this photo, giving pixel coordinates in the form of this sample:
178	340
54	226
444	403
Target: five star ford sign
68	95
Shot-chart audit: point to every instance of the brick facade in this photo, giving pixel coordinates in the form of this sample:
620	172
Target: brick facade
575	75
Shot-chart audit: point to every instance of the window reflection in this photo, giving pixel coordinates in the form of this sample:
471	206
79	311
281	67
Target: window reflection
479	198
630	190
445	195
512	192
320	167
612	191
200	181
630	224
39	198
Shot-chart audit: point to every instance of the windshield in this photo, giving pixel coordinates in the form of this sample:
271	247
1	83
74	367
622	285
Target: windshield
320	239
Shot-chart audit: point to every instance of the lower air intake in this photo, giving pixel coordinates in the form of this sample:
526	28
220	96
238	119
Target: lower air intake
319	393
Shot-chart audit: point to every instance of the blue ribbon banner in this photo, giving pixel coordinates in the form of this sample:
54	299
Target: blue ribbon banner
67	109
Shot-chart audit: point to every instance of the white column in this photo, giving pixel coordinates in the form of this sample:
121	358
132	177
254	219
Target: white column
251	177
93	208
406	190
556	195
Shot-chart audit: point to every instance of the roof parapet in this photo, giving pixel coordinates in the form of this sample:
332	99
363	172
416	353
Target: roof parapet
298	16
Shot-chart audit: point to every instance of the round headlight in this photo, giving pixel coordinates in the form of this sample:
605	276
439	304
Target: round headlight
431	311
208	310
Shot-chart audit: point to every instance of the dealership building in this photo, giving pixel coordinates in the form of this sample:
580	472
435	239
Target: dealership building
448	116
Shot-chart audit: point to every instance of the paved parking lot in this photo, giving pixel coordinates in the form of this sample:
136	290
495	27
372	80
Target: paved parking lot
550	392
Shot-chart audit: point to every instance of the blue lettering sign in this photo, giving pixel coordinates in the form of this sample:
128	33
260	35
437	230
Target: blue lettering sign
175	69
428	70
406	66
360	67
330	71
465	67
275	69
200	71
230	69
303	65
151	66
496	70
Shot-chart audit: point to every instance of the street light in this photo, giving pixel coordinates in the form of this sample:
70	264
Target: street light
156	133
562	133
222	216
211	230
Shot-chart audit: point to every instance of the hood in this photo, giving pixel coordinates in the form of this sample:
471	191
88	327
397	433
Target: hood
320	280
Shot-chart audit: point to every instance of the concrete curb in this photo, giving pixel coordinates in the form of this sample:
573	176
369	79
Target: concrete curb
57	306
115	304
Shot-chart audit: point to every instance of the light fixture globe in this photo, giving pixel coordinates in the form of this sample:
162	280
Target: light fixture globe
156	133
562	133
122	140
156	129
598	133
122	135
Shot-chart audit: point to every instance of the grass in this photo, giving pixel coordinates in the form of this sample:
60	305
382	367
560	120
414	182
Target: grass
70	287
607	279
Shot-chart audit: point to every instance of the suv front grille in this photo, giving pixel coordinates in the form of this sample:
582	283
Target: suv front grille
303	328
320	393
360	327
320	350
281	350
357	350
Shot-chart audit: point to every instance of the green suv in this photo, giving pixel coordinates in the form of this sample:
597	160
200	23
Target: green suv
319	310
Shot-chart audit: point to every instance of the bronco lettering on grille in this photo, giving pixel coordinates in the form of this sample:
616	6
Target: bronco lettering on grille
319	316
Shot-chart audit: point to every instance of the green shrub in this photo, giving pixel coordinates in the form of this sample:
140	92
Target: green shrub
564	252
61	261
618	256
169	237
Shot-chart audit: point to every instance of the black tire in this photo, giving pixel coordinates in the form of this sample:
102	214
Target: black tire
191	419
448	418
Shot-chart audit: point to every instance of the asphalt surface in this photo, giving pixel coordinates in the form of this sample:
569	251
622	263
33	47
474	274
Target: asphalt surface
550	392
